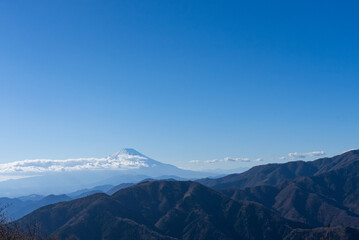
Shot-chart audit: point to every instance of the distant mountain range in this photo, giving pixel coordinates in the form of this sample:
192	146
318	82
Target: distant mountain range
16	208
295	200
45	176
161	209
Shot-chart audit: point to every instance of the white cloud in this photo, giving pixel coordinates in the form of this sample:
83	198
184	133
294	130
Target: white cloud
8	177
194	161
120	161
297	155
211	161
259	160
229	159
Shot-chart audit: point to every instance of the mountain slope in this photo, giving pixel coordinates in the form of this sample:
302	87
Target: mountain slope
337	233
326	198
119	187
181	210
273	174
16	208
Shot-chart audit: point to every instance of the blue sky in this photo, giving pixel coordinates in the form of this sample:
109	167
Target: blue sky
178	81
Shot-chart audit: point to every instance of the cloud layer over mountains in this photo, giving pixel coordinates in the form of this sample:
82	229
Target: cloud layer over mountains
120	161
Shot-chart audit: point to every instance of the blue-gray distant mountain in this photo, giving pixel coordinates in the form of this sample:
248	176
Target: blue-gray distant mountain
16	208
88	191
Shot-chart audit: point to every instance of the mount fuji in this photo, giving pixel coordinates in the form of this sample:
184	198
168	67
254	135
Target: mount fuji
48	176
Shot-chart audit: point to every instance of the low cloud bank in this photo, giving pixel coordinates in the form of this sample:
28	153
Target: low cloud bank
226	159
123	161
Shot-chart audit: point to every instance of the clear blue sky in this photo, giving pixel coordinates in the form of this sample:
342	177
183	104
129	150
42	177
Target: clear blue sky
178	80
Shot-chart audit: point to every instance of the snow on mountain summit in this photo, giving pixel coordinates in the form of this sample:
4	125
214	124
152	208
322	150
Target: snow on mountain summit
127	151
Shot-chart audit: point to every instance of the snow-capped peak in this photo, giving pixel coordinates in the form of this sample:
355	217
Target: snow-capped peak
128	152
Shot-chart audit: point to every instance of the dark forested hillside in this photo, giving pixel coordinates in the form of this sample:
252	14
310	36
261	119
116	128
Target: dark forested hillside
328	198
273	174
